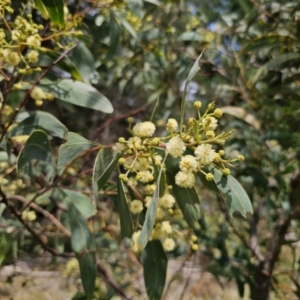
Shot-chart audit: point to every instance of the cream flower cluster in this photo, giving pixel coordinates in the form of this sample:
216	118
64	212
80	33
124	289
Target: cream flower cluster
192	148
196	146
144	129
39	95
23	33
21	41
140	160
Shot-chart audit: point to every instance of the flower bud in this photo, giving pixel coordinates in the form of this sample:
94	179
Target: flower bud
218	113
240	157
210	134
122	161
211	106
226	171
195	247
209	177
222	152
197	104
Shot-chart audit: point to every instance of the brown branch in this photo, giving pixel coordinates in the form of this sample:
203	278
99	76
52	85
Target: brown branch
188	278
254	243
264	271
120	117
44	212
6	200
42	181
18	216
167	288
282	225
254	250
110	280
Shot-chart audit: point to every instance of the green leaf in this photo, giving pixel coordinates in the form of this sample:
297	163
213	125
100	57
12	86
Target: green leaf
194	70
124	211
137	7
82	238
81	201
55	9
190	36
114	33
78	93
84	61
150	214
235	196
65	64
41	7
266	41
155	2
155	269
88	272
105	163
188	200
126	25
86	38
33	120
108	161
162	182
36	147
75	145
273	63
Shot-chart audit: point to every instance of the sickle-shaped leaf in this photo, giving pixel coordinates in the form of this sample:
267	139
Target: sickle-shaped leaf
150	214
114	31
235	196
162	182
88	272
126	25
124	211
155	269
194	70
105	163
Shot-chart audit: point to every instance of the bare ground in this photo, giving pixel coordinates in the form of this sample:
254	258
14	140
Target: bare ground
20	282
188	282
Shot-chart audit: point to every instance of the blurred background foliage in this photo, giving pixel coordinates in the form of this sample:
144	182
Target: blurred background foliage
136	51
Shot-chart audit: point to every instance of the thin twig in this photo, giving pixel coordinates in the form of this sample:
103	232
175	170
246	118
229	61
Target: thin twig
120	117
48	215
236	232
167	288
187	279
17	214
111	281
